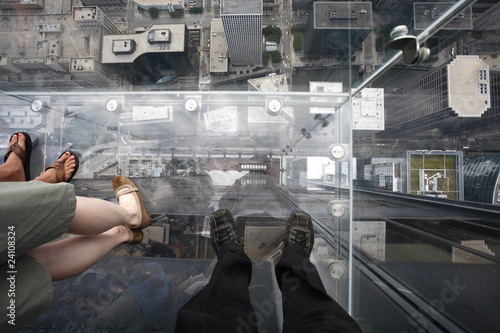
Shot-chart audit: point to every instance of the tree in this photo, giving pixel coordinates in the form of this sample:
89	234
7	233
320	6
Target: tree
276	57
195	10
297	42
301	27
153	12
272	34
177	13
265	57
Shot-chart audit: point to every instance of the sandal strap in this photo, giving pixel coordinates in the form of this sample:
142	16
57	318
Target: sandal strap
125	189
59	167
134	235
18	151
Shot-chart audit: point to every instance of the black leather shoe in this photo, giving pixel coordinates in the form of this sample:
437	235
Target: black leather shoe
299	231
222	232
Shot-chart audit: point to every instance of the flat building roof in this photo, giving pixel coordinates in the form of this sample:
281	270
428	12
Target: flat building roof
218	47
343	15
237	7
175	43
468	86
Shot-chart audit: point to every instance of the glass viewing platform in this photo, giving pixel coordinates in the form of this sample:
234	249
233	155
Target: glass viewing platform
378	118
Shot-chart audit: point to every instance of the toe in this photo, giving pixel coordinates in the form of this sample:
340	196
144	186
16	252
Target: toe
21	141
13	139
64	157
69	164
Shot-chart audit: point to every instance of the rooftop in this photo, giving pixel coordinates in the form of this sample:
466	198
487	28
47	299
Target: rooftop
466	97
29	37
178	35
237	7
270	83
342	15
218	47
427	12
84	13
145	3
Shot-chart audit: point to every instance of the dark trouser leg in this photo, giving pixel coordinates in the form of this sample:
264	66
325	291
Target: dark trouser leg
306	305
223	305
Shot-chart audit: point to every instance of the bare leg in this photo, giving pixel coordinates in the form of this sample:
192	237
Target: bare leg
94	216
72	256
12	170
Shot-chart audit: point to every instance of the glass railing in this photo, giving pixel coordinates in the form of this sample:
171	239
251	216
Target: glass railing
387	136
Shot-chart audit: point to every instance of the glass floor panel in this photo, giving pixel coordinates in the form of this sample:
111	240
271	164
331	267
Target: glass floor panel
378	118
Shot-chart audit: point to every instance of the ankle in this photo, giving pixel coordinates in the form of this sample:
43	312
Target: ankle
127	204
46	177
10	173
119	232
133	218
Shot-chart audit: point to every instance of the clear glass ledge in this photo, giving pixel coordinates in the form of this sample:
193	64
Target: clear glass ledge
398	164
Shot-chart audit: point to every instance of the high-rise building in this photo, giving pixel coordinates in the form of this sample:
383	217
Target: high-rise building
444	98
490	121
393	4
434	173
218	49
94	17
166	45
367	106
48	61
25	4
271	7
337	29
170	5
489	19
92	73
482	178
242	23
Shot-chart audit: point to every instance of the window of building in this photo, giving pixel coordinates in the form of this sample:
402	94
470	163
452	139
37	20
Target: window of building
483	75
483	88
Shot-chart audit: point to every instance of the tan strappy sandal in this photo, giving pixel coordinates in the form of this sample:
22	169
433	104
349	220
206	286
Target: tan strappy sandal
135	235
122	185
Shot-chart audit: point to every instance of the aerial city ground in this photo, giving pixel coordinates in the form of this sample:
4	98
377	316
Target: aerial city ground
294	38
190	45
69	56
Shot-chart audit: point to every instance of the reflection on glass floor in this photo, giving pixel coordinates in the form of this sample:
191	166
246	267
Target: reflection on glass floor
143	295
175	259
229	152
409	255
262	168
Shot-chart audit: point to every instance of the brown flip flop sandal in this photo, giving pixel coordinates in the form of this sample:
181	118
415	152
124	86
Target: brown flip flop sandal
59	167
122	185
24	155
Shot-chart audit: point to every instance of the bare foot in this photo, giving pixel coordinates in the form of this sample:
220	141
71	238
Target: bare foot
49	176
13	169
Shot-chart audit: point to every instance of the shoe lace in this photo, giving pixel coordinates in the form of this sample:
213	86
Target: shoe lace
299	238
225	234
